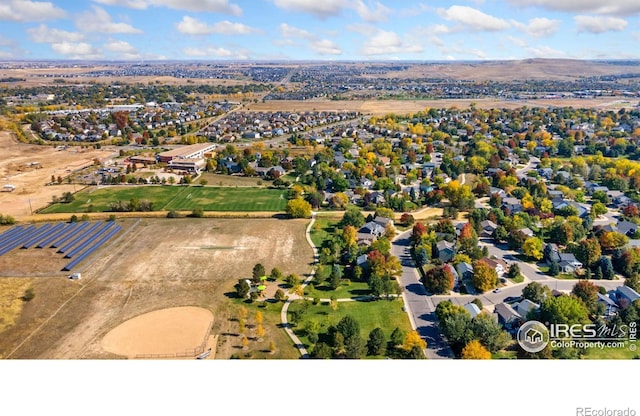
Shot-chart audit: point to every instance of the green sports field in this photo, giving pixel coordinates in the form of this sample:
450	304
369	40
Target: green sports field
229	199
180	198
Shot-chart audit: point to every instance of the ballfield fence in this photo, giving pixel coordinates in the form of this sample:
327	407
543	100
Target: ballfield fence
189	352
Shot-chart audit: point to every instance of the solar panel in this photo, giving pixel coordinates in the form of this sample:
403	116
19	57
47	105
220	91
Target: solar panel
79	238
7	234
76	229
84	244
17	239
91	248
42	232
50	238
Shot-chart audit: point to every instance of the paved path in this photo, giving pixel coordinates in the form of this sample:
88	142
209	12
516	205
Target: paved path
283	313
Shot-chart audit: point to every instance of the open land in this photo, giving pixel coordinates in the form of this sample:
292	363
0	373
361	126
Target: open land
160	264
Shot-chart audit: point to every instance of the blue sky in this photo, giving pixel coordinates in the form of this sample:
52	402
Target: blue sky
431	30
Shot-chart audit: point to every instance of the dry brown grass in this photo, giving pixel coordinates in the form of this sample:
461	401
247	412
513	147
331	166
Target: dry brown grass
160	264
11	291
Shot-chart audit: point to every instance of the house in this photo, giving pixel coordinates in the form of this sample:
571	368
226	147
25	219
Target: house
499	265
507	317
511	205
525	306
610	307
626	296
473	309
501	193
568	263
551	253
445	251
383	221
488	227
627	228
526	231
465	270
362	260
456	276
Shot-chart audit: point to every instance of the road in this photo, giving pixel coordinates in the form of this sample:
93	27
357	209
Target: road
418	304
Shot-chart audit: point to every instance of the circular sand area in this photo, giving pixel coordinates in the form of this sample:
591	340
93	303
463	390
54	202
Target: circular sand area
165	333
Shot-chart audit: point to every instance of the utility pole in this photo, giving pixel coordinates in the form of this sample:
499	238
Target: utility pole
30	209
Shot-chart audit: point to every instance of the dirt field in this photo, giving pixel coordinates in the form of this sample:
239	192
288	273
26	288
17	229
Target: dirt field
165	332
383	107
31	190
160	264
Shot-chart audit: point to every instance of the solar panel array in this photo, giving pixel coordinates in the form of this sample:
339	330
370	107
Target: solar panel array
77	240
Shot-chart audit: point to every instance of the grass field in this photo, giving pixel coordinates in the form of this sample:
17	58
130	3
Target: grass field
345	290
322	230
386	314
229	199
611	354
176	198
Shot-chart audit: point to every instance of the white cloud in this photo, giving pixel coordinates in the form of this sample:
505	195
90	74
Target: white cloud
76	50
521	43
371	12
214	52
192	26
325	47
100	21
378	13
212	6
416	10
121	46
386	42
292	35
122	49
321	9
473	18
29	11
538	27
289	31
615	7
45	34
363	29
599	24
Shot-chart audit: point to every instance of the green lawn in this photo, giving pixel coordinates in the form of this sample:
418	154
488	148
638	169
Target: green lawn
181	198
322	229
345	290
386	314
229	199
98	199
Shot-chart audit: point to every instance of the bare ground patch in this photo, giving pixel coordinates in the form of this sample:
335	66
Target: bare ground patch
161	264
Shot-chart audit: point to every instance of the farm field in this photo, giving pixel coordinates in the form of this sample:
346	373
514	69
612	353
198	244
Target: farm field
176	198
162	263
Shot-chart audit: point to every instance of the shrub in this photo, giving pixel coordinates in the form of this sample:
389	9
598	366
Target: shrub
28	295
172	214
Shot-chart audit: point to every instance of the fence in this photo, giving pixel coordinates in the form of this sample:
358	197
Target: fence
189	352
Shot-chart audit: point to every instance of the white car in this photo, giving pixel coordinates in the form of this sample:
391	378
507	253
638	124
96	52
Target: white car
497	290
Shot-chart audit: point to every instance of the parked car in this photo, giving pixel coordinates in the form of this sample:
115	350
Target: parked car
510	299
497	290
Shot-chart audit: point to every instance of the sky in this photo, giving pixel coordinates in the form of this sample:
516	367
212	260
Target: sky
334	30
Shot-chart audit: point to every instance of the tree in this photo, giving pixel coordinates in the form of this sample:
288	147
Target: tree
279	295
475	351
588	293
422	257
484	277
292	280
258	272
322	351
532	247
610	240
397	337
299	208
500	234
413	339
439	280
633	282
376	342
554	268
514	272
352	217
335	277
536	292
564	310
242	288
588	251
275	274
489	332
604	264
598	209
